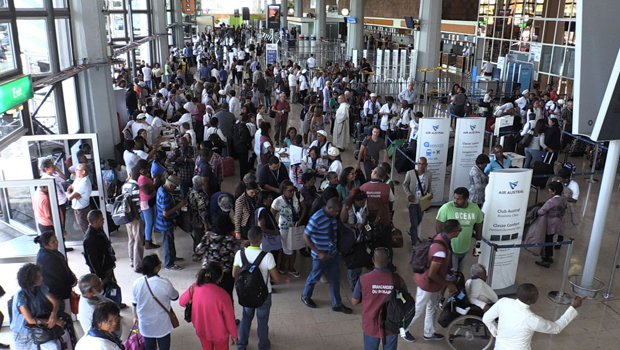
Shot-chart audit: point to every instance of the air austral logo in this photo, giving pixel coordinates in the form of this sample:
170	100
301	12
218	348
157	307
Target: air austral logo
513	190
472	127
435	127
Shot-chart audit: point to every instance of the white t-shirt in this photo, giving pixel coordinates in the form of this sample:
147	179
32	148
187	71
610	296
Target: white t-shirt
140	153
573	186
257	144
268	262
154	321
336	167
147	73
131	159
135	127
60	191
84	188
186	118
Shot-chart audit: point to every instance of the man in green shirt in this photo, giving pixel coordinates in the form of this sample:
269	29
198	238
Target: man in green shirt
469	216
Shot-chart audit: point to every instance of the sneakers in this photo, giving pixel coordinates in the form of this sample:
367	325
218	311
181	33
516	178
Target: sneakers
435	336
309	303
174	267
150	245
343	309
324	279
408	337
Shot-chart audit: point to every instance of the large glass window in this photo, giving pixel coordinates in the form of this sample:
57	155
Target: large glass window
33	44
140	24
138	4
60	4
117	25
7	52
28	4
11	122
46	116
63	35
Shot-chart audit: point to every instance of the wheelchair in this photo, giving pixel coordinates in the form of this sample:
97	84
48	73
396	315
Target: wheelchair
464	332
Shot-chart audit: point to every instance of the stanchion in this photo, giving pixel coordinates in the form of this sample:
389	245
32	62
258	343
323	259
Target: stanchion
559	297
491	266
608	295
592	180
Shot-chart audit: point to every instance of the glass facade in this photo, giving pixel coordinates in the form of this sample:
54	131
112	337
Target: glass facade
122	16
544	29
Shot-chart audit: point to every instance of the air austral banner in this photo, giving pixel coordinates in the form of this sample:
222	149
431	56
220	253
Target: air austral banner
468	142
505	207
433	139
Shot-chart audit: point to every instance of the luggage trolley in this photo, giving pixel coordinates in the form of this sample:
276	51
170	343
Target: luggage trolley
464	332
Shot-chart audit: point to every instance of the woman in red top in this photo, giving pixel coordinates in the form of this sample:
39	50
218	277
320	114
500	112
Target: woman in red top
213	315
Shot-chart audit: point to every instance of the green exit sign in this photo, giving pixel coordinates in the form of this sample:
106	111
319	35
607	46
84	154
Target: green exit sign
15	93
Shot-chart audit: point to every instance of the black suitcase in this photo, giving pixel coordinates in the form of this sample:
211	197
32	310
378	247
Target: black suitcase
541	168
402	164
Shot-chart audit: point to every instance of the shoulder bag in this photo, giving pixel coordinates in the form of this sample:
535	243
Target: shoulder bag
188	307
173	317
41	334
425	199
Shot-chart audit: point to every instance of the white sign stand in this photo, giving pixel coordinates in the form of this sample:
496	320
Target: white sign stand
468	144
433	142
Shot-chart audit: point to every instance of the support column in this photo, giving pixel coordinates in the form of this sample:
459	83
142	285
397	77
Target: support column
320	19
177	31
159	27
299	8
430	37
355	31
284	14
97	102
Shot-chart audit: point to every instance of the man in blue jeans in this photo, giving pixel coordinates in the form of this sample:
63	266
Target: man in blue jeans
321	237
268	269
167	211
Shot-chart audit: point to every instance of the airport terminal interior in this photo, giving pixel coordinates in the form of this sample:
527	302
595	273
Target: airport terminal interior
79	79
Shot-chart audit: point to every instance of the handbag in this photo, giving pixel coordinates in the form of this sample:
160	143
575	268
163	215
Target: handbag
173	317
527	138
425	199
188	307
135	340
41	334
74	301
293	238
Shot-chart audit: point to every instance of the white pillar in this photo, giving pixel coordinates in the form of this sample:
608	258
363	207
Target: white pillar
284	14
177	31
299	8
600	216
97	106
320	19
355	31
159	27
430	36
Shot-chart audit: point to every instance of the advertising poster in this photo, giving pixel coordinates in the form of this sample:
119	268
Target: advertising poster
468	142
273	17
433	139
379	63
272	53
403	63
504	209
395	65
386	64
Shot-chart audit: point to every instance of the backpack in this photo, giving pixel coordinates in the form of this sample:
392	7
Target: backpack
217	140
242	141
398	309
303	112
419	255
121	210
250	285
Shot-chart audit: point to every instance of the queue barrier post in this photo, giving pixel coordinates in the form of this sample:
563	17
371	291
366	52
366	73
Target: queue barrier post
592	180
559	297
608	295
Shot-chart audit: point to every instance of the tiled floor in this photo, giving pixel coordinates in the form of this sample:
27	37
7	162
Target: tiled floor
294	326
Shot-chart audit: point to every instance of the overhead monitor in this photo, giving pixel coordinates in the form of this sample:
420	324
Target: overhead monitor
273	17
351	20
409	21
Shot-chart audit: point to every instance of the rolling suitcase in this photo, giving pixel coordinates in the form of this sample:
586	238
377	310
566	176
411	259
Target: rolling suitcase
541	168
229	166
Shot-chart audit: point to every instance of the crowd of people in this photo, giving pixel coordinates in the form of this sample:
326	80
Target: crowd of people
190	118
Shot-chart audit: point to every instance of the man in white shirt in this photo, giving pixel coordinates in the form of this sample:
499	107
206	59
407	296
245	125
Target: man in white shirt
478	291
267	268
130	158
79	195
234	106
487	69
311	62
414	124
410	95
522	101
371	109
91	288
146	71
386	112
517	323
406	114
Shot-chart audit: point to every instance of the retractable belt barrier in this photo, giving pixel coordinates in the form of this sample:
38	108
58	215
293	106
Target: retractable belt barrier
558	297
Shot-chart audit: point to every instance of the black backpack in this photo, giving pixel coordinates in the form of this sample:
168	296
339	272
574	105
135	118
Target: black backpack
250	285
217	140
398	309
242	141
419	254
